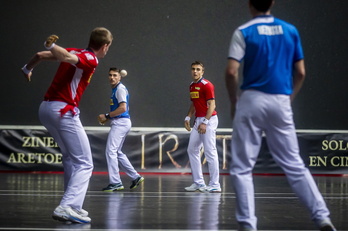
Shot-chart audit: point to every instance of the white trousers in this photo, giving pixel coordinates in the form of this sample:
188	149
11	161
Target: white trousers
116	159
258	112
73	142
208	141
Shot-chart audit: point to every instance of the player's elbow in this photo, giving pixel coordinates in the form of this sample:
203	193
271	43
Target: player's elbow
40	55
122	107
231	73
43	55
302	74
300	70
211	105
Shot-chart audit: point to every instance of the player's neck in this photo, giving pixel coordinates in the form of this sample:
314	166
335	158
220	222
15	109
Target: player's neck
196	81
256	13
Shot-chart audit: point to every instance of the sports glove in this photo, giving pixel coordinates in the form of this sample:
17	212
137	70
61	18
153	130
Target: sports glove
101	119
49	43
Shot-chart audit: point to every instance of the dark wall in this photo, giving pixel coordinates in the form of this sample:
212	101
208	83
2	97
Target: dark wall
156	41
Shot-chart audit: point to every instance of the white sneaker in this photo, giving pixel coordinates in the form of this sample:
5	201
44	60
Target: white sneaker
194	187
326	225
68	214
210	189
81	212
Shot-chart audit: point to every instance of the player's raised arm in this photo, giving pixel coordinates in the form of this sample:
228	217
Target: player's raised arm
54	53
59	52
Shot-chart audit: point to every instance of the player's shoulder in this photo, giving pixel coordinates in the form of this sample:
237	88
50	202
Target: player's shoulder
257	21
86	55
75	50
206	82
284	23
121	87
251	25
287	28
80	51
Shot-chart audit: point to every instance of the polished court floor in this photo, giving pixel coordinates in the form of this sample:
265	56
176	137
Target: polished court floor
160	203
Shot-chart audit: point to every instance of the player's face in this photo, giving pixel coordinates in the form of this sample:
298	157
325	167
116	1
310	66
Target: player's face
196	72
114	78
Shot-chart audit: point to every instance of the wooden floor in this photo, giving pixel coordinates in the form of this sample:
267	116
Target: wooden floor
27	201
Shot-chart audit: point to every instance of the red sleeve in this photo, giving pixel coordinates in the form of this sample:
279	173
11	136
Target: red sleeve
209	91
87	60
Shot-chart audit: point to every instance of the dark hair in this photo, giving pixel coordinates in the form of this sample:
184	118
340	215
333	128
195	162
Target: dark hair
114	69
261	5
198	63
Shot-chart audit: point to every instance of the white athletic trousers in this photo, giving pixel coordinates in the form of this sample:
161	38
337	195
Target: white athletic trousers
208	140
73	142
116	159
257	112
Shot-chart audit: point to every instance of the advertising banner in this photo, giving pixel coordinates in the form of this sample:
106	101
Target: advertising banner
164	150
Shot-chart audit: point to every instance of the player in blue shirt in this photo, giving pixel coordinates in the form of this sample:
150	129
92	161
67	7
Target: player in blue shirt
273	74
120	126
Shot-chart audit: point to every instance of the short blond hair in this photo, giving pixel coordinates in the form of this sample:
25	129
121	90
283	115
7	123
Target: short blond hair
99	37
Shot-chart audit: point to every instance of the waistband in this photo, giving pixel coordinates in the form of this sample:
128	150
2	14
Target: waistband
65	109
122	117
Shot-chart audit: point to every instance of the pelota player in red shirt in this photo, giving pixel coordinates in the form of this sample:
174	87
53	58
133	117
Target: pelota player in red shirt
59	113
204	131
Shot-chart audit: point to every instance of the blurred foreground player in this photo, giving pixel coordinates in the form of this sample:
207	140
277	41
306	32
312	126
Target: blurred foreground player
59	113
273	73
120	126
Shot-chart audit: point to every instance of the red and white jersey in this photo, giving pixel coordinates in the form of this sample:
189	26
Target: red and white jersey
71	81
200	93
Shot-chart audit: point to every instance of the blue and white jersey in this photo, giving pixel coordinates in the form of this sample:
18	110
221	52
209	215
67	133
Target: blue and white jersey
119	95
269	48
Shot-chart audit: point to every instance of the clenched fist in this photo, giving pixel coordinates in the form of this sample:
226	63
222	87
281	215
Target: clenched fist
102	119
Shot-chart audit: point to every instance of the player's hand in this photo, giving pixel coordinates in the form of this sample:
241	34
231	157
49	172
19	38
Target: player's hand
27	76
102	119
187	125
27	72
50	40
202	128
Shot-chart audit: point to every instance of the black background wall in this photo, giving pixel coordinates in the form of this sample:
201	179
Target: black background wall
156	41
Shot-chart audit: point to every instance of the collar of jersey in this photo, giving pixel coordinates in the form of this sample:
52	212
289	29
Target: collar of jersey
200	80
264	16
89	49
117	85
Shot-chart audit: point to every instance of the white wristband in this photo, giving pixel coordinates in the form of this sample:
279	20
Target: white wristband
50	47
187	118
205	121
26	70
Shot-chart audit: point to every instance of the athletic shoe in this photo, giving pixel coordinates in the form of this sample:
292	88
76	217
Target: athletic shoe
113	187
68	214
246	229
326	225
210	189
136	182
81	212
194	187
